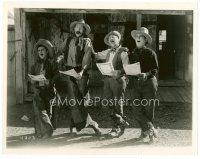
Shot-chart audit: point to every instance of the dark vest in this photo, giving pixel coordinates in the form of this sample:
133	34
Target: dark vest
117	61
79	54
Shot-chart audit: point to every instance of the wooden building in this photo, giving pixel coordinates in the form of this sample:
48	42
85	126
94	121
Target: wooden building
172	33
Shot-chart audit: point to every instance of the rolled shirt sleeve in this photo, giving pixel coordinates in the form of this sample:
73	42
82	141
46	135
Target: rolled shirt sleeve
102	55
124	57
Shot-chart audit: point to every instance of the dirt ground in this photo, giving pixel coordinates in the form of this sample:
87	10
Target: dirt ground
173	120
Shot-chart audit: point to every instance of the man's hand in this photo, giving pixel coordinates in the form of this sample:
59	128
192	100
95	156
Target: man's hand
59	58
115	73
80	75
142	76
46	82
32	81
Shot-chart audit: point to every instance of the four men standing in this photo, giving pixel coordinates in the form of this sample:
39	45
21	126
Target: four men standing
77	54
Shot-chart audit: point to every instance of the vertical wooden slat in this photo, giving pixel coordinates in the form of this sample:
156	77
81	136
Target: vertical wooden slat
24	53
139	20
19	53
30	41
189	47
11	94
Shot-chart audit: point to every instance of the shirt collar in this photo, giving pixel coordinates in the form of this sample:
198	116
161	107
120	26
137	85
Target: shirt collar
116	49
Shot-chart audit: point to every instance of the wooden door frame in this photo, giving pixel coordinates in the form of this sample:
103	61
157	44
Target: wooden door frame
20	49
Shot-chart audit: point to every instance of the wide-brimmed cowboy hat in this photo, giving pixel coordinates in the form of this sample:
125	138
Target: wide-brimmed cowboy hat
142	31
111	33
86	26
47	44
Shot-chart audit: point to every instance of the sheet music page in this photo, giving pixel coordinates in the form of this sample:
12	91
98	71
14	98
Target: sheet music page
106	68
132	69
71	72
37	77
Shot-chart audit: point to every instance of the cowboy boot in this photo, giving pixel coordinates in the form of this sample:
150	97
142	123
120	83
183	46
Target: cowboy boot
142	135
114	132
122	124
96	129
153	130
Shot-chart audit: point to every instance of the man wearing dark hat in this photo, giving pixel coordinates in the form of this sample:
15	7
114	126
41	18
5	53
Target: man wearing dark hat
77	56
115	85
43	90
144	85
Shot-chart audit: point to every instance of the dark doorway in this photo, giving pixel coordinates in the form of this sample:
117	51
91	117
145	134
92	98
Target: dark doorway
99	29
170	49
129	42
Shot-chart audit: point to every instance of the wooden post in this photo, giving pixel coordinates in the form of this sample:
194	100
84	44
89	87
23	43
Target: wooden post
139	20
189	47
11	67
24	54
19	56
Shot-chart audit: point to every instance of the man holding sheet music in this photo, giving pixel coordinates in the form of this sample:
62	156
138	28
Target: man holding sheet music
114	82
144	85
42	77
73	80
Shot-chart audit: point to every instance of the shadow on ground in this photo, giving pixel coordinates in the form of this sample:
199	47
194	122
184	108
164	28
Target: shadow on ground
167	115
67	139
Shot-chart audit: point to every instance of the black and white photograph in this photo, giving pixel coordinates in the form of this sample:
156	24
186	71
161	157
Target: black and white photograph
99	79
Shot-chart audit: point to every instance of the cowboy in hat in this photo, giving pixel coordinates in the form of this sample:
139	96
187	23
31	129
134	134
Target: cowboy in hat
43	90
144	85
76	52
114	85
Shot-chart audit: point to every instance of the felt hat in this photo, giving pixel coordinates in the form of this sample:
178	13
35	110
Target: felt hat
142	31
86	26
47	44
111	33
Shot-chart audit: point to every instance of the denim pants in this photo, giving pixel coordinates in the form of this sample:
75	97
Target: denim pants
143	94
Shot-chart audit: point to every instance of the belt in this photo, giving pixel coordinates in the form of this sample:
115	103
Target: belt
136	78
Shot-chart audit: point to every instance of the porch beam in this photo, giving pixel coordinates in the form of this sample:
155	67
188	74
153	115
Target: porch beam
104	11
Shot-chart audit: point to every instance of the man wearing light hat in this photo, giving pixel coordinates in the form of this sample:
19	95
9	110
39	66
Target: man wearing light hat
43	90
144	85
114	86
77	55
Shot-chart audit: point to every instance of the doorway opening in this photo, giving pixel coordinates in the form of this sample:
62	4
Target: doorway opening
171	46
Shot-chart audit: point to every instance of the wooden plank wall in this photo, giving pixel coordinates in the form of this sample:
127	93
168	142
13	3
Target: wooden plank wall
20	52
11	67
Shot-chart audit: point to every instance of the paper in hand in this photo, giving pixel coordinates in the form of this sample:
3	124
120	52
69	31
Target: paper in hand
72	73
37	77
106	68
133	69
